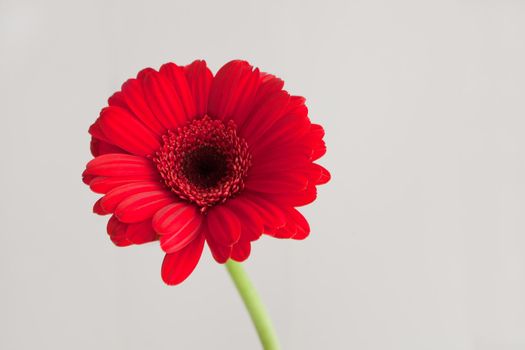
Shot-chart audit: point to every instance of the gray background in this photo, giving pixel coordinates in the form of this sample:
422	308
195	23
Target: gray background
417	243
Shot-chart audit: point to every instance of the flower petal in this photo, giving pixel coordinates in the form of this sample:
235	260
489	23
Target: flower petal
99	147
318	145
142	206
102	184
296	226
241	250
223	225
199	78
177	78
117	232
317	174
132	98
269	84
141	232
270	213
293	125
126	132
251	222
163	99
279	183
178	224
97	208
233	91
262	118
96	132
287	231
297	199
282	163
221	253
303	228
177	266
113	198
123	234
121	165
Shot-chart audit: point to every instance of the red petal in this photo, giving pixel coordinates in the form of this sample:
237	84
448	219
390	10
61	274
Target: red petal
251	222
101	184
297	199
303	228
95	131
319	150
142	206
223	225
269	84
270	213
118	164
262	118
271	165
126	234
141	232
221	253
281	159
176	77
97	208
178	224
117	232
118	100
199	79
110	201
241	250
317	174
292	126
246	100
287	231
163	99
99	147
318	145
177	266
233	91
296	226
87	178
279	183
125	131
132	98
317	131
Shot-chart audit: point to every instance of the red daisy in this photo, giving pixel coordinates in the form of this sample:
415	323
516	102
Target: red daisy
184	157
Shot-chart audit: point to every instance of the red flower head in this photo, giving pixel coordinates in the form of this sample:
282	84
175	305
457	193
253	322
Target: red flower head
184	157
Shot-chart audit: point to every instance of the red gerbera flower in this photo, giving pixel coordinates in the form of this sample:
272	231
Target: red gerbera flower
184	157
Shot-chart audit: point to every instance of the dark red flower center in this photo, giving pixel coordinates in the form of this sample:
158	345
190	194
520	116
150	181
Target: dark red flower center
204	162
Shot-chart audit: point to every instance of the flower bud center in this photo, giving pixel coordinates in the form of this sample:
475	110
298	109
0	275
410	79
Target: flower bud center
204	162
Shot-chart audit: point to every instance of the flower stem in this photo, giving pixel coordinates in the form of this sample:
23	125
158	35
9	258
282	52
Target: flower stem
255	307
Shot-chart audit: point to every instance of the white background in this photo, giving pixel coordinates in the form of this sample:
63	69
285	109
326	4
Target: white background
417	242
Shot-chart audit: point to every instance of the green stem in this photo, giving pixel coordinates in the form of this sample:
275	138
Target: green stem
255	307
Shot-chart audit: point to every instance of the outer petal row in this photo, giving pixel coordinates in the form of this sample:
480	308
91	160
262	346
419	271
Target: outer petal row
147	106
